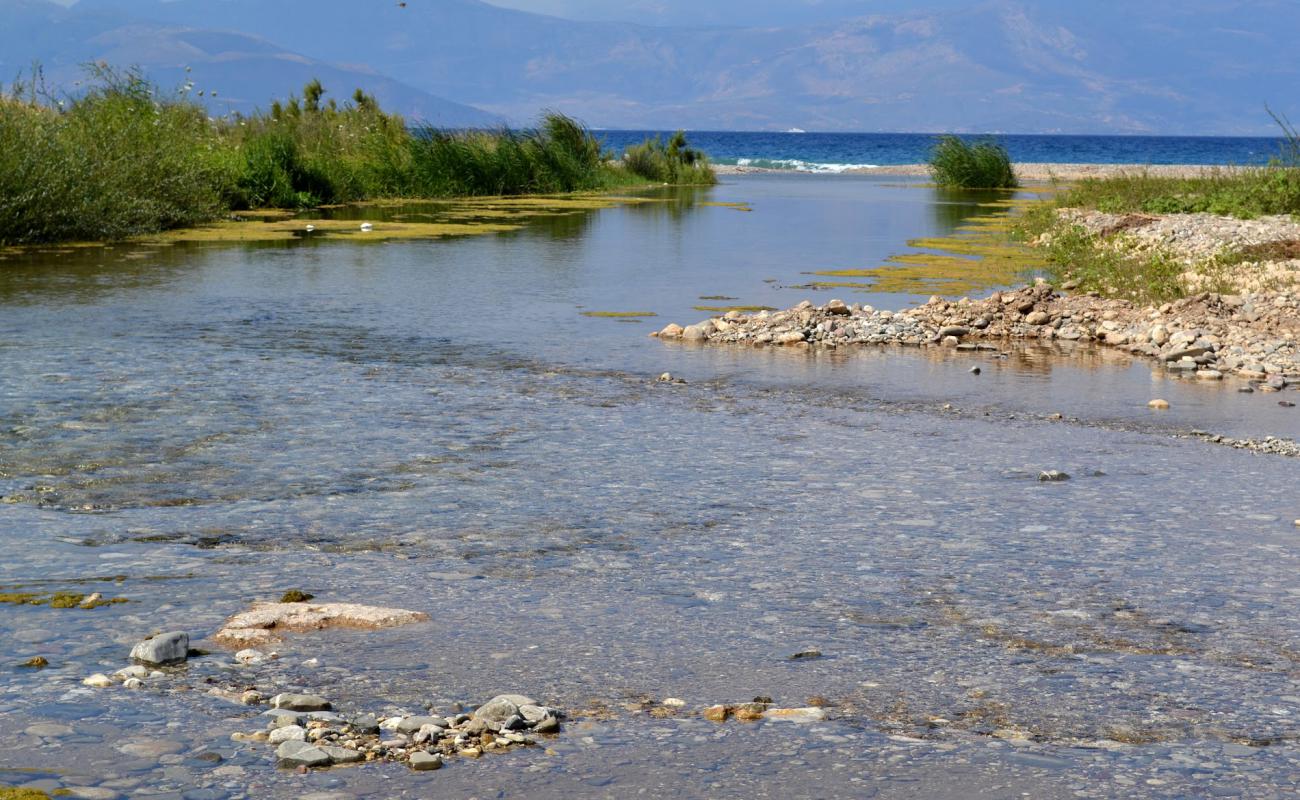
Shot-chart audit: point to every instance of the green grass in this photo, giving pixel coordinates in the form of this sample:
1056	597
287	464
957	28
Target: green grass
1243	192
126	158
984	164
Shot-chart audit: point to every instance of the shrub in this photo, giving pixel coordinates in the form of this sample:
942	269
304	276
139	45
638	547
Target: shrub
117	161
669	162
982	165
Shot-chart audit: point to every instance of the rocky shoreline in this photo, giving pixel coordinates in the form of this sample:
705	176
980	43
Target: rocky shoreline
1254	336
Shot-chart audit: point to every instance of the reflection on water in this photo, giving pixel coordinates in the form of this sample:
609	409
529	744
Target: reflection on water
435	425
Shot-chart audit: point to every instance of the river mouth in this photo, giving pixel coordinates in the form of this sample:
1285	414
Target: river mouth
438	426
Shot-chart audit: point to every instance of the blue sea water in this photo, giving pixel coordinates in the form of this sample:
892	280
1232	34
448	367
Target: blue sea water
835	152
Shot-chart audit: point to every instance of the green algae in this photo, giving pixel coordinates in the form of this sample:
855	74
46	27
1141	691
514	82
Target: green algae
243	231
725	309
296	596
618	314
720	204
58	599
980	254
15	793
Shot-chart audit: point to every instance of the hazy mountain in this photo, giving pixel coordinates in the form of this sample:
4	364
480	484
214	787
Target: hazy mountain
236	71
1162	66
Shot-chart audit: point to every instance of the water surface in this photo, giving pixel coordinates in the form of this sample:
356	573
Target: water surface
435	425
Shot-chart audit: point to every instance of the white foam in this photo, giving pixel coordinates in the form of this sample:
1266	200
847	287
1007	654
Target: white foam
798	165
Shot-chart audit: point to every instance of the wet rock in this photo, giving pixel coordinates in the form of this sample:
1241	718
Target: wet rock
796	715
502	707
718	713
342	755
165	648
250	656
806	655
132	683
300	702
1158	404
547	725
99	680
35	662
672	331
696	333
409	725
1053	476
150	748
133	671
749	712
287	733
295	753
535	713
264	622
422	762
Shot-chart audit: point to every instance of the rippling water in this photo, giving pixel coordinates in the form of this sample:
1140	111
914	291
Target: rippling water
435	425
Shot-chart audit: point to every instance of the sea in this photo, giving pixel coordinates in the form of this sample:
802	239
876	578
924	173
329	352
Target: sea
839	152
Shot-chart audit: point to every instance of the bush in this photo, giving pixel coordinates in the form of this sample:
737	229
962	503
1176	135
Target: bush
983	165
671	162
117	162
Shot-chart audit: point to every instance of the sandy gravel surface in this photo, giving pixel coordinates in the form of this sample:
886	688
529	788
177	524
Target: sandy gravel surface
1027	171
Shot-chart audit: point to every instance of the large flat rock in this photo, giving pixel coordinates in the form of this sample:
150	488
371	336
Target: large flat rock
265	622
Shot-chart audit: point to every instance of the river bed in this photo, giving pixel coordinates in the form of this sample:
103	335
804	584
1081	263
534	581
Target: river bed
435	425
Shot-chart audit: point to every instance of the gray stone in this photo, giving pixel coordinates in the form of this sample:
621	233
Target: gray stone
422	761
1053	476
534	713
548	725
342	755
502	707
300	702
165	648
294	753
287	733
413	724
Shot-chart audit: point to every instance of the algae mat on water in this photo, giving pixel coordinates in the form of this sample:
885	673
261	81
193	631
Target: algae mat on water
389	220
978	256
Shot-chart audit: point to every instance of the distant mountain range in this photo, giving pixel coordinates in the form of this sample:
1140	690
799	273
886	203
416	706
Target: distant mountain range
235	71
1161	66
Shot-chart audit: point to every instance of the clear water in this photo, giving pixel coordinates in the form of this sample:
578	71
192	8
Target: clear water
434	425
832	152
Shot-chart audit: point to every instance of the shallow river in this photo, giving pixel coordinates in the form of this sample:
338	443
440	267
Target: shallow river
435	425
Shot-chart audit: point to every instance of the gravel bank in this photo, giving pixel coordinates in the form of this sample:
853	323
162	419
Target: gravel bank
1254	336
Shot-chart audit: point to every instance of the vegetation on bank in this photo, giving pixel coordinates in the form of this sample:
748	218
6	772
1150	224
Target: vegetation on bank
959	164
125	159
1101	263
